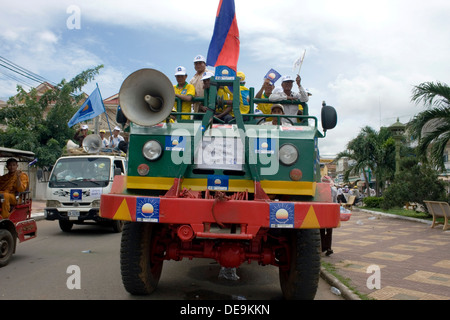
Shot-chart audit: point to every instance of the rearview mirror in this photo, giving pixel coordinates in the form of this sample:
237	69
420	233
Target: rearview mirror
329	117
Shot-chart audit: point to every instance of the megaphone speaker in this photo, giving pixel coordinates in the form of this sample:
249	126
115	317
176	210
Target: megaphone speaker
92	143
71	145
146	97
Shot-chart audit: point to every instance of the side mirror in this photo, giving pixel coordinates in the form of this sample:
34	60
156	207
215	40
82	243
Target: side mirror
117	171
120	117
329	117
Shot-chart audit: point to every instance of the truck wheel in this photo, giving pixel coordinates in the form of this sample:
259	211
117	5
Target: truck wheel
65	225
6	247
140	267
117	226
299	278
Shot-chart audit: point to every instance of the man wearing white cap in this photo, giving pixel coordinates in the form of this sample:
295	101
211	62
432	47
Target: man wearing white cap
285	93
183	90
81	134
115	139
196	81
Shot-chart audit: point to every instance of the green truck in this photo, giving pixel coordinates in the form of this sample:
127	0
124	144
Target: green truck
234	192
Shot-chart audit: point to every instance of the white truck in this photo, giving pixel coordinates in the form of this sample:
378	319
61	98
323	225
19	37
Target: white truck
75	186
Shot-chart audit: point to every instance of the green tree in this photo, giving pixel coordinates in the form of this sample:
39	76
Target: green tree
431	127
415	183
371	150
30	127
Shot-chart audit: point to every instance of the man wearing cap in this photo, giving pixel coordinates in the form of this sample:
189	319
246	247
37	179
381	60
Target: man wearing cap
277	109
196	81
285	93
206	84
264	93
105	141
244	104
115	139
11	183
183	90
222	111
81	134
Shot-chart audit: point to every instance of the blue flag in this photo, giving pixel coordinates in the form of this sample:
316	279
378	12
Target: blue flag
92	107
273	75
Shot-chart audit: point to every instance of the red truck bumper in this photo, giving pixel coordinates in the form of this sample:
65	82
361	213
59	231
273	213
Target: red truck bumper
198	214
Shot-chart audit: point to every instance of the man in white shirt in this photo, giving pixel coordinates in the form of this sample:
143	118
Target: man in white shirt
285	93
105	141
115	139
196	81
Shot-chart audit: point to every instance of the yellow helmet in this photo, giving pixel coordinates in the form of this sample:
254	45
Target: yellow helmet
241	75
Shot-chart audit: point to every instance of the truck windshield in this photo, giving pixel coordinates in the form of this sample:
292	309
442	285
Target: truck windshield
80	172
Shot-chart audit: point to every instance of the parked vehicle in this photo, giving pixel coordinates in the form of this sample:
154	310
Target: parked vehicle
19	225
75	186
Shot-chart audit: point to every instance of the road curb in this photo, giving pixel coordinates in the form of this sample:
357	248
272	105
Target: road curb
346	293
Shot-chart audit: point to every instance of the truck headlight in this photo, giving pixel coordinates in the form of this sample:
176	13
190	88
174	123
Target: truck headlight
152	150
288	154
96	203
53	203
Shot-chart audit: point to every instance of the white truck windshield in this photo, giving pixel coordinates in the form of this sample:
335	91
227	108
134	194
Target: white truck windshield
81	169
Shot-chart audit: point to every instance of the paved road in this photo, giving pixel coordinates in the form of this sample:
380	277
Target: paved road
40	269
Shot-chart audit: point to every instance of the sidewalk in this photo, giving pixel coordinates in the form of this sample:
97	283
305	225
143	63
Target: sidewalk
413	259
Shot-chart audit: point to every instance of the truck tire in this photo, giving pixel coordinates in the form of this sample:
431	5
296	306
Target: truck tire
299	279
140	270
6	247
117	226
65	225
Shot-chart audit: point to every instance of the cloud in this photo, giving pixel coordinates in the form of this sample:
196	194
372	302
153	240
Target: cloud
363	57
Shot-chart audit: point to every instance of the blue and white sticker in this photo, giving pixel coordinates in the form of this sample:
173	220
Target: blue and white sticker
175	143
265	145
76	194
147	209
217	182
282	215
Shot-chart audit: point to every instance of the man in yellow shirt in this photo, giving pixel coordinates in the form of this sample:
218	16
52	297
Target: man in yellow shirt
11	183
184	91
264	93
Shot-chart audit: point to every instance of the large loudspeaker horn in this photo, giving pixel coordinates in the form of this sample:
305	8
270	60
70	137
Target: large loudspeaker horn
71	145
92	143
146	97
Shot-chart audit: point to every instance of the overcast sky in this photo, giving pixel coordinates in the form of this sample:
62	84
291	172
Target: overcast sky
363	57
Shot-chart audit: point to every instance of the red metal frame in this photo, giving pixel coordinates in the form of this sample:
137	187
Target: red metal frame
186	220
20	217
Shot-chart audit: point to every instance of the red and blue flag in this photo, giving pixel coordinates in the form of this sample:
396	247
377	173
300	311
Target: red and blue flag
224	46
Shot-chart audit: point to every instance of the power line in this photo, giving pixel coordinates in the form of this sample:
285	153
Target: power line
9	76
23	72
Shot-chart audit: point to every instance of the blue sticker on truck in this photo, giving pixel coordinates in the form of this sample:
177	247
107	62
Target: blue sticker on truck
217	182
147	209
76	194
282	215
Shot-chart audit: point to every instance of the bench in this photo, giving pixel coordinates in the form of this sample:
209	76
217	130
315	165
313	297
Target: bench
439	209
350	203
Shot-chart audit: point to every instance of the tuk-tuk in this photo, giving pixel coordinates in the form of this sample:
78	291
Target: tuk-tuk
19	225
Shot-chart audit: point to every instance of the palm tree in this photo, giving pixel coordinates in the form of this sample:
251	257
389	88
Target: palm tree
371	150
431	127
